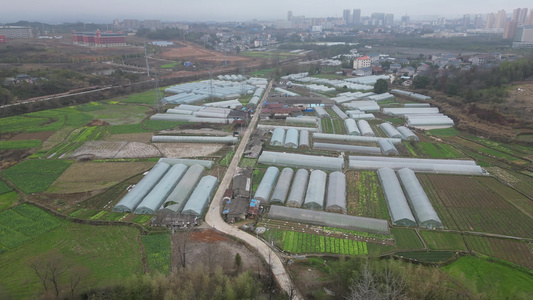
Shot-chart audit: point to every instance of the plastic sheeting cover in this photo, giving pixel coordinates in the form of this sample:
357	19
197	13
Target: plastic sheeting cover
267	184
278	137
399	210
352	138
188	162
282	187
154	199
390	131
301	161
142	188
407	134
336	199
299	186
304	139
322	218
365	128
291	138
387	148
201	196
347	148
351	127
316	190
422	208
184	188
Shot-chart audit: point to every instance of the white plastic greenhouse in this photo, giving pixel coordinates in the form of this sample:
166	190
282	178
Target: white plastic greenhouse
272	127
188	162
301	120
418	200
339	112
316	190
171	117
304	139
407	134
399	210
299	186
365	128
179	111
200	197
365	105
266	185
390	131
336	198
387	148
129	202
282	187
321	112
352	138
278	137
351	127
291	139
301	161
183	189
152	202
347	148
322	218
400	111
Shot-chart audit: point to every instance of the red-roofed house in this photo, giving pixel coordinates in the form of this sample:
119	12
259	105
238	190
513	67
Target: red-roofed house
362	62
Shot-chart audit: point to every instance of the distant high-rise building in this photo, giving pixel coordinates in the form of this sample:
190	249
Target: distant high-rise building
510	29
522	18
389	20
501	19
529	20
406	20
16	32
478	21
356	16
466	20
152	24
289	15
346	16
131	23
377	19
491	20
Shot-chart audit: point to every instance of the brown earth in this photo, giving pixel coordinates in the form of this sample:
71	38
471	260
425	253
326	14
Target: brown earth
131	137
116	149
42	136
191	51
180	150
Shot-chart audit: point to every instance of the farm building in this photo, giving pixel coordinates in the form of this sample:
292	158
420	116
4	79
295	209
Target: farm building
365	128
387	148
291	139
336	198
278	137
399	210
299	186
183	189
390	131
242	183
439	166
322	218
236	209
407	134
351	127
282	187
301	161
152	202
316	190
418	200
347	148
200	197
129	202
304	139
267	184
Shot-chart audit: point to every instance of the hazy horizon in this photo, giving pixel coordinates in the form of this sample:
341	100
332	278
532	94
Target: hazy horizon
60	11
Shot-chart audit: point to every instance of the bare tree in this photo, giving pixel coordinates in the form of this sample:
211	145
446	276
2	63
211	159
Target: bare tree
77	275
211	254
182	246
49	267
374	283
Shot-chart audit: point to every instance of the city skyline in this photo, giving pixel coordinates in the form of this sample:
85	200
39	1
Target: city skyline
238	10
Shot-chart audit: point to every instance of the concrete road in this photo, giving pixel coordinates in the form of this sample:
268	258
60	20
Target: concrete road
214	217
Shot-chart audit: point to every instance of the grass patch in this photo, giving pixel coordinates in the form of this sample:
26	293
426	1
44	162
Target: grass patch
406	238
24	144
20	123
144	97
263	72
444	132
431	257
169	66
443	240
491	279
33	176
158	252
160	125
7	200
439	150
247	162
4	188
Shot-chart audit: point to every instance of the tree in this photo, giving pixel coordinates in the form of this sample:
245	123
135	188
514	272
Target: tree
49	267
238	262
381	86
76	276
420	82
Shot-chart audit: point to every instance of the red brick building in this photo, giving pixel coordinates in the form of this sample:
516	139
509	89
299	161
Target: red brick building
99	39
2	39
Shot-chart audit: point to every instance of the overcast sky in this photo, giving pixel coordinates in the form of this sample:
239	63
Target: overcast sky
58	11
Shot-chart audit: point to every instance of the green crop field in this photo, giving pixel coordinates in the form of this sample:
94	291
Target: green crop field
517	252
263	72
326	125
4	188
439	150
492	280
444	132
161	125
431	256
110	253
23	144
169	66
33	176
8	199
158	250
142	98
73	141
20	123
338	126
364	195
443	240
406	238
302	243
120	114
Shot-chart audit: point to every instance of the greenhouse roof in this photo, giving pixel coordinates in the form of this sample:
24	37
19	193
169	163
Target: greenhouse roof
301	161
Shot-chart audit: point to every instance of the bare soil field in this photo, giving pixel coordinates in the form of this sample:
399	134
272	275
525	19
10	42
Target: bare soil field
42	136
191	51
131	137
112	149
90	176
179	150
213	249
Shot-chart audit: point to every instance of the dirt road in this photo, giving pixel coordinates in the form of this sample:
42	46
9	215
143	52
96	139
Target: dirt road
214	218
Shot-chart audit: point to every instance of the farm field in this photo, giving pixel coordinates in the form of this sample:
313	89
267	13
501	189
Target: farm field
429	256
443	240
491	279
327	126
516	252
364	195
436	150
115	114
157	249
8	199
89	176
116	149
465	203
33	176
406	238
